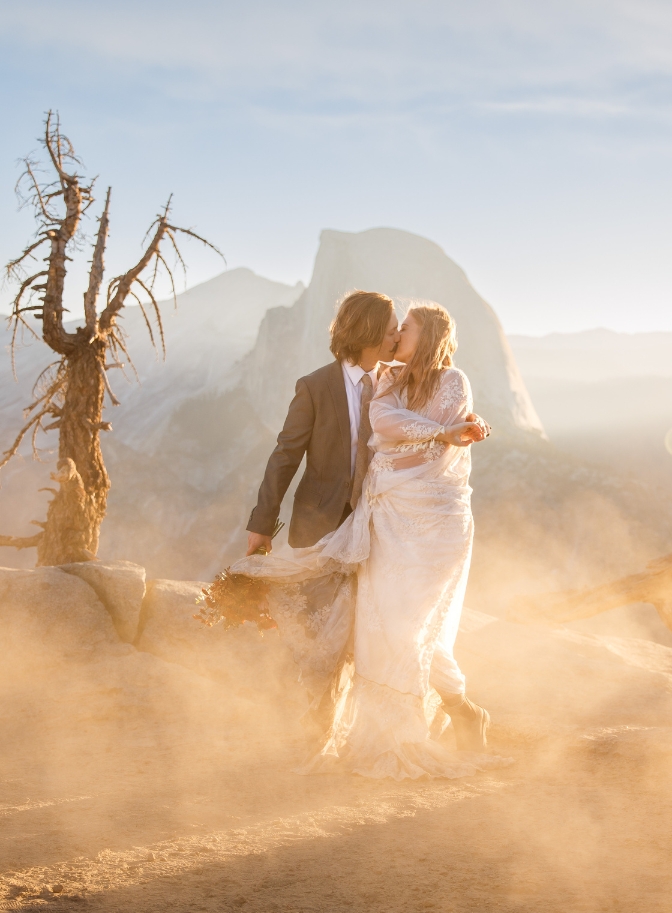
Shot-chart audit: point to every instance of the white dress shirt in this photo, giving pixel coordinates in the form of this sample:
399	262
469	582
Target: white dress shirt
352	375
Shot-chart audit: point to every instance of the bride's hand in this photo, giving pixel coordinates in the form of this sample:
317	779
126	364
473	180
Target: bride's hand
463	435
474	417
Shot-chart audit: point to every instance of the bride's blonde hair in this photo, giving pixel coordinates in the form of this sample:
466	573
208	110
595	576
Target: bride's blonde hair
434	352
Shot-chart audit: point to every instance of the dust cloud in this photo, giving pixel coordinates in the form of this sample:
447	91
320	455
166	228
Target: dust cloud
158	774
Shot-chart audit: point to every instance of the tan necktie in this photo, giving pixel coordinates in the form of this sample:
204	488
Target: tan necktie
362	460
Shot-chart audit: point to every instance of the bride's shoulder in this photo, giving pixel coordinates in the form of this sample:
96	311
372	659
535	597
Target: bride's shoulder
453	377
454	388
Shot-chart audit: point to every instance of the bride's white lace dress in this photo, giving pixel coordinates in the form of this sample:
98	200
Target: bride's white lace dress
396	569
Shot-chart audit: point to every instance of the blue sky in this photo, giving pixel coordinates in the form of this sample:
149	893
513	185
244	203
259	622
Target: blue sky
531	140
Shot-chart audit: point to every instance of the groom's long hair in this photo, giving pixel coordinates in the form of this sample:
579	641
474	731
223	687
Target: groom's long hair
434	352
360	323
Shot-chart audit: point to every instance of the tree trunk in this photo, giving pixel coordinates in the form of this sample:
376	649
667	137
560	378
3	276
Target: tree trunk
72	528
654	585
73	393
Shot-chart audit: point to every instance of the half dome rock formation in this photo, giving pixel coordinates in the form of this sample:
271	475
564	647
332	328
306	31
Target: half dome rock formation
294	341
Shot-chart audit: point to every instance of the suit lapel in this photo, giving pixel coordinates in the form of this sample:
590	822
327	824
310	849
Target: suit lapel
340	399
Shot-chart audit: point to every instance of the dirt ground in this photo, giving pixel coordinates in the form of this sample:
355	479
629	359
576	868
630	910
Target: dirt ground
581	824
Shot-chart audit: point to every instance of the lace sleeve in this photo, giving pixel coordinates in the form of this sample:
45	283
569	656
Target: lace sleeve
391	422
454	397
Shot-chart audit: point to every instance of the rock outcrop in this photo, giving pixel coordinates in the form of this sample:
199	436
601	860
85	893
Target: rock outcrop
66	638
66	678
49	618
120	586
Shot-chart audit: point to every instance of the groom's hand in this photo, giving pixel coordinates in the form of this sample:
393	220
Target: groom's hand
255	541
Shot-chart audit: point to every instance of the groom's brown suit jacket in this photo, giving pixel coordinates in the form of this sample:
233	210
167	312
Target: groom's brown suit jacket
317	425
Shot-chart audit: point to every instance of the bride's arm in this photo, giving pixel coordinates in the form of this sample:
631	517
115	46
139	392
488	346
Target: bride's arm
453	404
393	423
463	434
390	421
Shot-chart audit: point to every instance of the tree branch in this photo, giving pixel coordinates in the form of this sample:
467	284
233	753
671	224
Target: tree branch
16	317
117	341
113	398
56	383
160	259
13	450
157	313
48	217
12	265
58	232
75	196
46	401
147	321
192	234
21	541
97	268
120	286
123	283
25	285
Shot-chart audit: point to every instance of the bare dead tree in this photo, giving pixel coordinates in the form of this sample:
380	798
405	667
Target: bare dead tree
69	395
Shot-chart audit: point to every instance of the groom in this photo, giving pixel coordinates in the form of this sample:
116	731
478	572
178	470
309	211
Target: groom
328	421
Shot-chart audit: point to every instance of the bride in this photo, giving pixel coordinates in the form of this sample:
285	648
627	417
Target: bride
394	576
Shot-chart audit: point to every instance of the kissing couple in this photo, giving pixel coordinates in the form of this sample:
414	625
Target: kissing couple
370	597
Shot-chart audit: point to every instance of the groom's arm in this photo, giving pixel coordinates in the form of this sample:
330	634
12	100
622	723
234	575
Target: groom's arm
293	442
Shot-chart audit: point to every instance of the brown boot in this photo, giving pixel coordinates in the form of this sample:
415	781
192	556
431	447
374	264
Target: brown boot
470	722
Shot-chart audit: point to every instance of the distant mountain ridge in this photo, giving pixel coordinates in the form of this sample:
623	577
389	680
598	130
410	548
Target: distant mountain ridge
605	397
593	355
